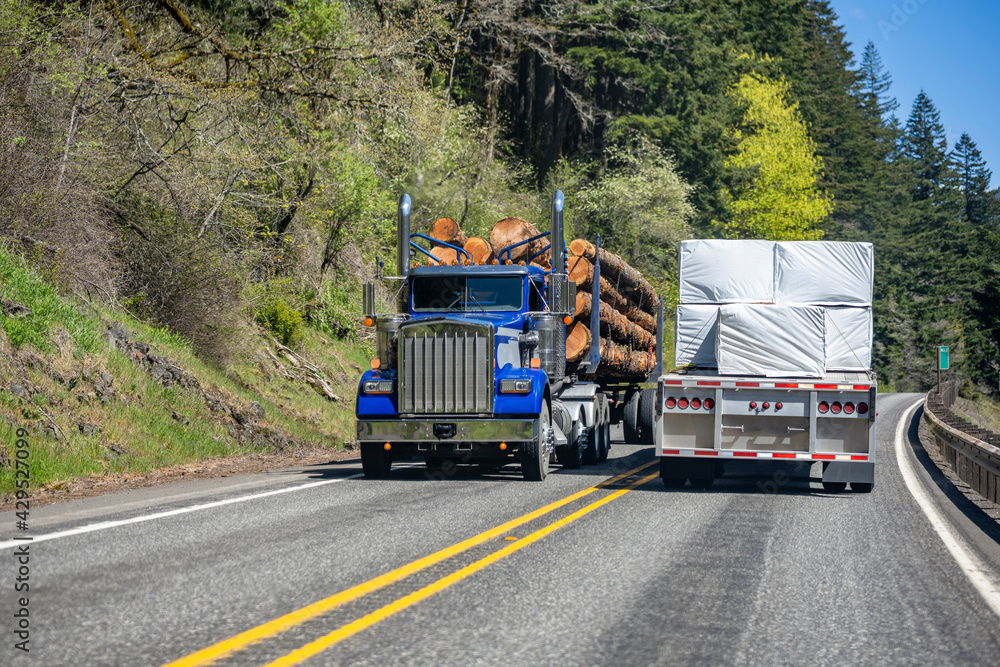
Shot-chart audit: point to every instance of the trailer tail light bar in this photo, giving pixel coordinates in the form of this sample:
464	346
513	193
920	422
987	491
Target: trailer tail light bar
796	456
688	403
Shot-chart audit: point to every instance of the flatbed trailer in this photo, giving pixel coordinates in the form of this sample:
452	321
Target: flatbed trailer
705	420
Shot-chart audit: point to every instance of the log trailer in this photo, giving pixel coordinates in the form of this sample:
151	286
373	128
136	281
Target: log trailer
773	362
471	368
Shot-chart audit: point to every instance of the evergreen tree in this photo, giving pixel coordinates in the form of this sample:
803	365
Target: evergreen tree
983	335
875	85
925	147
979	204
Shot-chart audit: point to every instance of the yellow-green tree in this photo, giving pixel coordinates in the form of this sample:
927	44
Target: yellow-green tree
776	195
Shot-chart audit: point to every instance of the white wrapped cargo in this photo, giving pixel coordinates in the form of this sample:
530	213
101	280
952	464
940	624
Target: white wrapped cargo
823	273
849	332
713	271
694	340
771	340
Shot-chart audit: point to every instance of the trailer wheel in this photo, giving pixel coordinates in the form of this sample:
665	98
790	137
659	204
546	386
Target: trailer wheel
630	419
861	487
834	487
672	474
647	416
535	453
375	460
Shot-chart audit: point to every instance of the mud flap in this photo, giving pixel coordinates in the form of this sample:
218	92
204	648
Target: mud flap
862	472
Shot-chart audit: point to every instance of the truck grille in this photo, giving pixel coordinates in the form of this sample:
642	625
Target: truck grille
446	367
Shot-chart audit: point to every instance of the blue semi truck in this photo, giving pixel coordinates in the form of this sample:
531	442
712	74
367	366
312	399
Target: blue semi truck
471	367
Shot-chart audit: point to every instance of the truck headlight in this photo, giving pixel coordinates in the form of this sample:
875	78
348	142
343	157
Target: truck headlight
378	386
515	386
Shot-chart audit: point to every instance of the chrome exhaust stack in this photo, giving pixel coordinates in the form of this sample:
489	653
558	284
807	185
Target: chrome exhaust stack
403	248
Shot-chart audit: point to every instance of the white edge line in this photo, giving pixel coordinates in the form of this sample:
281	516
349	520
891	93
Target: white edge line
103	525
970	564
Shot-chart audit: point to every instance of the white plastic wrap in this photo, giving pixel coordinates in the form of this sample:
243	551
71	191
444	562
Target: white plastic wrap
694	340
770	340
713	271
823	273
849	333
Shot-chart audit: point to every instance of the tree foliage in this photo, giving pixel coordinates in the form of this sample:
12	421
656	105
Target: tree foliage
776	195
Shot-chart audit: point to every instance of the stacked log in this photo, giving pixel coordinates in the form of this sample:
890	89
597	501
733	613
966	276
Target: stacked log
480	249
511	231
581	271
626	279
626	317
446	230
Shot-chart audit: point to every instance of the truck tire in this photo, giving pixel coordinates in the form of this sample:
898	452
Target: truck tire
535	453
647	416
834	487
605	430
861	487
571	455
592	452
673	474
701	474
375	460
630	419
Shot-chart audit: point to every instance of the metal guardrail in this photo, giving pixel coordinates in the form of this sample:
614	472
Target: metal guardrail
972	452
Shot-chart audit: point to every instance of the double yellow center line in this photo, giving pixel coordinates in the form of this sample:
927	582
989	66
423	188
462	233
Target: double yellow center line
260	633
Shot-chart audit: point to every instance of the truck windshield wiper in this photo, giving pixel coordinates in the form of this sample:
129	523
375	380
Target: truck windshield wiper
479	305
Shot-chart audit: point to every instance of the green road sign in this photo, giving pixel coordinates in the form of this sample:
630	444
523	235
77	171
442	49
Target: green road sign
943	358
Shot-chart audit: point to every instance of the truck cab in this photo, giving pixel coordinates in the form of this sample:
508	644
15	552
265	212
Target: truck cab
471	368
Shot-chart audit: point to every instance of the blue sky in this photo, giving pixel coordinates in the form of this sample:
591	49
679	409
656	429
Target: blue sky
949	49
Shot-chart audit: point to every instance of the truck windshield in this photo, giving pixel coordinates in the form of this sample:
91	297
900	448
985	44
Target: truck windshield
434	294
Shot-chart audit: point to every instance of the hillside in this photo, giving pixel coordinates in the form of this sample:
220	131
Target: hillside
103	395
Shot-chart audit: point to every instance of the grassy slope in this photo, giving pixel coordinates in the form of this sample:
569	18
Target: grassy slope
57	356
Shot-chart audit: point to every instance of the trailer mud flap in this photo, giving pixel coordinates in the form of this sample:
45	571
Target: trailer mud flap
862	472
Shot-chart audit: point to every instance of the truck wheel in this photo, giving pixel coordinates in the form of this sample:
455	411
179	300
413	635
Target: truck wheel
647	416
375	460
571	455
631	419
701	474
671	473
834	487
535	453
605	434
861	487
592	452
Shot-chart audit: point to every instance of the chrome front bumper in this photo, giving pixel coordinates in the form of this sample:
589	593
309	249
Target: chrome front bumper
465	430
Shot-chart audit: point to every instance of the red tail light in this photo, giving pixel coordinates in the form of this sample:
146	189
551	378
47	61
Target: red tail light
766	406
862	408
695	403
836	407
753	405
671	402
849	408
683	403
777	406
709	403
823	407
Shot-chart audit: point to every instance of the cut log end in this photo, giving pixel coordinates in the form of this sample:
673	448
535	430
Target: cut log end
480	249
446	230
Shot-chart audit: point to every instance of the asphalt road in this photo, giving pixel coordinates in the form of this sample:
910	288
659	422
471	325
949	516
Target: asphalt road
763	568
